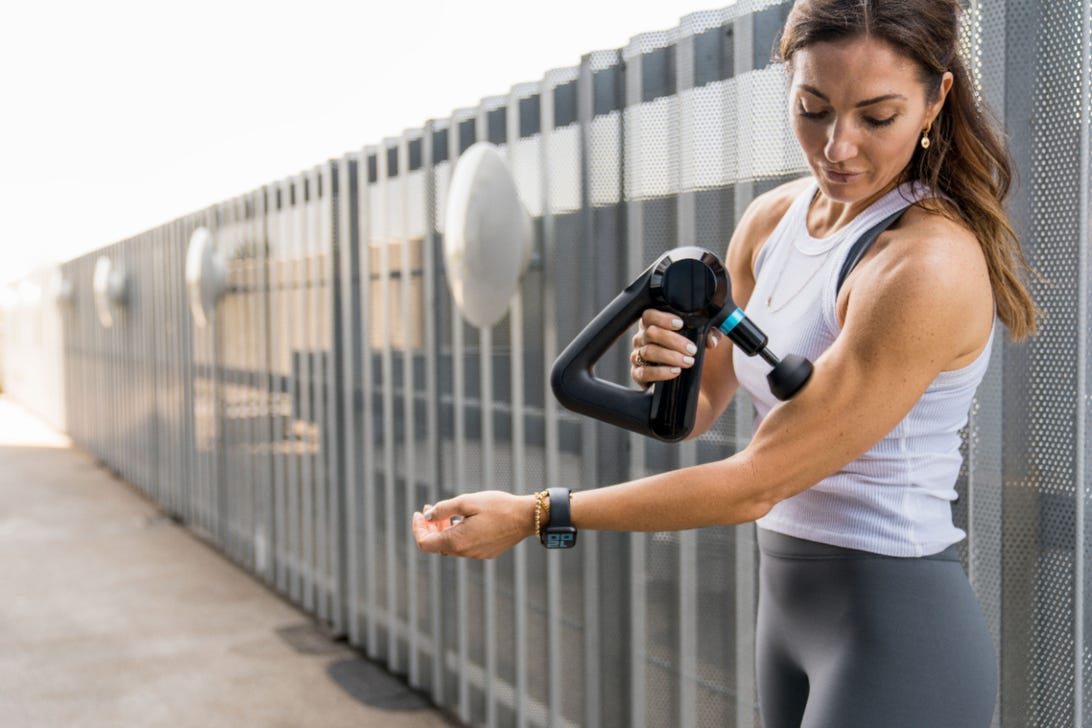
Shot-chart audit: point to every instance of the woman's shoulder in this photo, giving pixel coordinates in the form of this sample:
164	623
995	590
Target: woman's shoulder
930	260
766	210
762	216
931	233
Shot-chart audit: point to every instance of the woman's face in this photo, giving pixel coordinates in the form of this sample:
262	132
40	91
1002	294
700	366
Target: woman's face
858	110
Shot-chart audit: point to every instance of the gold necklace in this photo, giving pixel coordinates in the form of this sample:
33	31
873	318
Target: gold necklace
781	274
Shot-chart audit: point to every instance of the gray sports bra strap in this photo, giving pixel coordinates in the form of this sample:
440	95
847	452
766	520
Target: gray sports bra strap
861	246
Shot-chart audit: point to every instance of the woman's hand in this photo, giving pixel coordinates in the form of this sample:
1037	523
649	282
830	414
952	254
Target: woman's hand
477	525
659	351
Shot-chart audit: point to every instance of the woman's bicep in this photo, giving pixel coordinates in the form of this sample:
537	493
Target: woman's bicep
863	385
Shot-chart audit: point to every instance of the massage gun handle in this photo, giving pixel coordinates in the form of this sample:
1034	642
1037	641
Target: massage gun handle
665	411
675	401
572	380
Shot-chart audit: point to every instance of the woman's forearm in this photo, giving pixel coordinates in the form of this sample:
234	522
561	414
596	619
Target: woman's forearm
713	494
708	412
718	387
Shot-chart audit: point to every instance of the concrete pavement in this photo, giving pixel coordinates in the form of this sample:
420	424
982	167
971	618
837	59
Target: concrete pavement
113	615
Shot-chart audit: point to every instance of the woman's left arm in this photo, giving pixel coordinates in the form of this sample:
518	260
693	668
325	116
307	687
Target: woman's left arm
908	316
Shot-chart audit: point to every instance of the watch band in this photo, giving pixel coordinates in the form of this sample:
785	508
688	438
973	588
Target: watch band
560	514
559	532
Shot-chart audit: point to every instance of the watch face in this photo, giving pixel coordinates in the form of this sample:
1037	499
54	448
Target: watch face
559	538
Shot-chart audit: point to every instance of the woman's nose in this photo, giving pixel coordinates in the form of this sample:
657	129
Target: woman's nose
841	143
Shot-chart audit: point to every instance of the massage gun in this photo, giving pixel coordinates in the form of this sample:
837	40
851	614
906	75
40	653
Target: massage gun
692	283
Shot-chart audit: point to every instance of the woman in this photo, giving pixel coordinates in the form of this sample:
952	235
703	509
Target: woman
865	615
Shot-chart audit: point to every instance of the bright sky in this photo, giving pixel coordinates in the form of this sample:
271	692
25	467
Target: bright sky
117	115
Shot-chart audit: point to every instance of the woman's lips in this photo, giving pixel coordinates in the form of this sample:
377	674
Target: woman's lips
841	178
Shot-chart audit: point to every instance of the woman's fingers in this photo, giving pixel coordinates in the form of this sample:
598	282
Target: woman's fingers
661	329
477	525
655	355
445	509
659	351
429	534
431	524
650	374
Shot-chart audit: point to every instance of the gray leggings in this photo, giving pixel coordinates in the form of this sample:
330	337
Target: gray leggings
850	639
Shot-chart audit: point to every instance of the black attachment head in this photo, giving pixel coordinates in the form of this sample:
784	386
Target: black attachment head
788	376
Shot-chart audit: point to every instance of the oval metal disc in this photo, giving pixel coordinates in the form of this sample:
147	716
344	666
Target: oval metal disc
487	235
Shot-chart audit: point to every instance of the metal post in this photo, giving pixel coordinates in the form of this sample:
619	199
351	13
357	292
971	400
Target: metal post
432	406
370	203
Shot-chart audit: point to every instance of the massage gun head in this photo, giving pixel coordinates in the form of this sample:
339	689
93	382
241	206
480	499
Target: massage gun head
691	282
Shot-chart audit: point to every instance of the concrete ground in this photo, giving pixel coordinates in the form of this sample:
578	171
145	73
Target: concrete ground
113	615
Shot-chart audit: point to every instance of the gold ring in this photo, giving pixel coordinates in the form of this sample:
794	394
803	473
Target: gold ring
638	360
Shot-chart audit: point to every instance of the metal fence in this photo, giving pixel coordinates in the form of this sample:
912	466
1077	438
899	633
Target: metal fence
338	388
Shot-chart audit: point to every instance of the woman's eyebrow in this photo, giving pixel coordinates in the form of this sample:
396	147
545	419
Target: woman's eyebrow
813	91
867	102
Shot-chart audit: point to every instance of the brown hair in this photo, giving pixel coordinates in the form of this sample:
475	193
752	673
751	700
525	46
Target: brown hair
967	160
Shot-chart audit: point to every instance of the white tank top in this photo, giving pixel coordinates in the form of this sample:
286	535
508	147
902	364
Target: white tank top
896	498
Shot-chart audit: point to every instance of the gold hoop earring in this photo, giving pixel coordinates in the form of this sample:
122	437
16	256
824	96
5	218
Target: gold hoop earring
925	136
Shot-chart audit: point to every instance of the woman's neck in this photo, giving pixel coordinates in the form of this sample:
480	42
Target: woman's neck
826	216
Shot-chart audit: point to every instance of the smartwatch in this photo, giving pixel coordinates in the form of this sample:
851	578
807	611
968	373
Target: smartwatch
559	533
